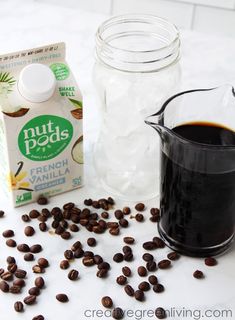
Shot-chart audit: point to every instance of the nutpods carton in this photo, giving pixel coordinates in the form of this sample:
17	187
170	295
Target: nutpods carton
41	141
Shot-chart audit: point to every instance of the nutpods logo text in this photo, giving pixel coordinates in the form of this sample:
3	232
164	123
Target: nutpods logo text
44	137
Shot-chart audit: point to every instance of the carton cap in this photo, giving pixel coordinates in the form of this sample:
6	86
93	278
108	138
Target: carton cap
36	82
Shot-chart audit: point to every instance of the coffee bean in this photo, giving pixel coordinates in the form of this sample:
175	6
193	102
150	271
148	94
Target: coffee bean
111	200
104	265
11	243
68	254
118	214
15	289
153	279
112	225
12	267
46	213
142	271
36	248
129	290
126	249
139	206
126	210
25	218
139	295
61	297
66	235
129	240
198	274
121	280
23	247
29	231
144	286
154	211
29	300
42	200
43	226
97	259
64	264
88	254
19	283
42	262
55	224
42	218
128	256
8	233
149	245
64	224
102	273
210	262
151	266
73	228
39	282
76	245
39	317
73	275
159	242
173	255
105	215
34	291
18	306
95	204
126	271
28	257
91	242
158	288
34	214
114	231
11	260
7	276
4	286
1	271
117	313
154	219
164	264
107	302
68	206
88	261
59	230
1	213
78	253
147	257
21	274
139	217
118	257
88	202
160	313
123	223
38	269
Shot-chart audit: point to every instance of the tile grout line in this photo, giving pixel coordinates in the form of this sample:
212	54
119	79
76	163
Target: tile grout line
193	17
111	7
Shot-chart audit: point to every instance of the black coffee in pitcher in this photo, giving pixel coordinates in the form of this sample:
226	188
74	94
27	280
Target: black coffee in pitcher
198	189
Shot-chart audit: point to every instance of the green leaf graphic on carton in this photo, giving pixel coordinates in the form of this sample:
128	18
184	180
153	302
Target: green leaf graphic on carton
76	103
6	82
44	137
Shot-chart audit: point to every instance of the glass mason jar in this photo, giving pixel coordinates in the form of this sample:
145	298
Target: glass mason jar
136	69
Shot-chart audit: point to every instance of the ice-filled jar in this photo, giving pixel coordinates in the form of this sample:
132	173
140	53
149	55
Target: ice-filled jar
137	68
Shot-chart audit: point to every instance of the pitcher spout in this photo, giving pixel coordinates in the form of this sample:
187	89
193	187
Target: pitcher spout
154	121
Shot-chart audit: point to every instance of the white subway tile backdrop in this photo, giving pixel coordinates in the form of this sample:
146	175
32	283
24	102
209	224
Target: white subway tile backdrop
209	16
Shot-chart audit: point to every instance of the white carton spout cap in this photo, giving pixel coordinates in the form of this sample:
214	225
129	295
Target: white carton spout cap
36	82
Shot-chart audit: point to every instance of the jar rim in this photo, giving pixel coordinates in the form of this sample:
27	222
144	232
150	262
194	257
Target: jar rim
143	18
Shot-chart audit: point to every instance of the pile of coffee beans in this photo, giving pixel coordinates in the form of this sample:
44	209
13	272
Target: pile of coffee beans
65	222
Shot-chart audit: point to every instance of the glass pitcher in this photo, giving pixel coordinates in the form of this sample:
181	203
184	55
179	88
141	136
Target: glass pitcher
137	68
197	180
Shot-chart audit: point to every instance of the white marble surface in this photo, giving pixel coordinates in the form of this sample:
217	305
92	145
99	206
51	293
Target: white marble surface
206	62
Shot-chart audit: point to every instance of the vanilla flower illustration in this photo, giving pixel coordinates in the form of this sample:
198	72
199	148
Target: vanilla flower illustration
16	181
